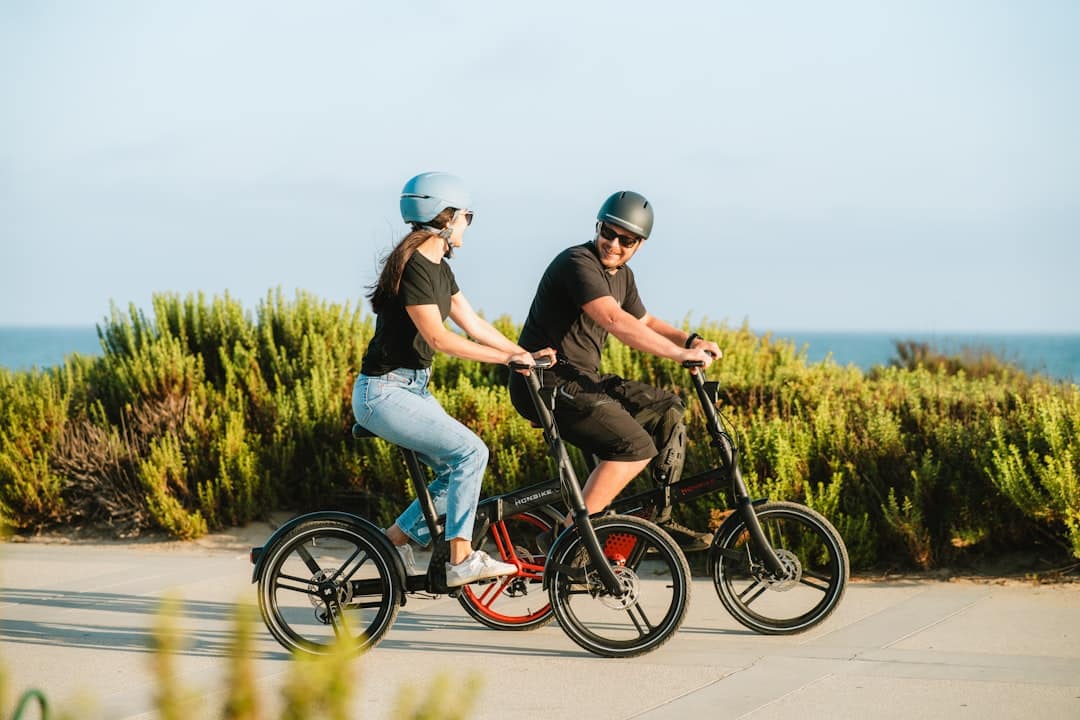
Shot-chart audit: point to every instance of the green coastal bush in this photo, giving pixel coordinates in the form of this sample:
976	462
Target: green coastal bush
205	416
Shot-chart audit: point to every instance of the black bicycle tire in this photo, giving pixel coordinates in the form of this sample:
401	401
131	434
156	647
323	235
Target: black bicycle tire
671	556
831	596
390	597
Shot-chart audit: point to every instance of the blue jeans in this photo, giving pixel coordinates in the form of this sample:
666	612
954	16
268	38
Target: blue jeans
398	407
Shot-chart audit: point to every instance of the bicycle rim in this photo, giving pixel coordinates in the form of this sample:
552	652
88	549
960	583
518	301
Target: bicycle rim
815	559
652	569
326	580
516	602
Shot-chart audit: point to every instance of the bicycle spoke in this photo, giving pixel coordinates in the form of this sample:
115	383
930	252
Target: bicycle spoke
308	560
305	589
359	551
756	584
807	576
337	620
638	619
491	594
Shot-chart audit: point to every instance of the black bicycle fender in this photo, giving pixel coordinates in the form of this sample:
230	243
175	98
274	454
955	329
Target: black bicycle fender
550	566
732	520
258	555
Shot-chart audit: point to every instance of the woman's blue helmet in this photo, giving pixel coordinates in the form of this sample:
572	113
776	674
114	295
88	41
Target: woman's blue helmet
428	194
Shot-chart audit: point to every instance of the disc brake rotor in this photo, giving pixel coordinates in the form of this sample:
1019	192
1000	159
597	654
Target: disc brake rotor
631	589
792	572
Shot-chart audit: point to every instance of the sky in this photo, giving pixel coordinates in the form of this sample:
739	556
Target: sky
894	166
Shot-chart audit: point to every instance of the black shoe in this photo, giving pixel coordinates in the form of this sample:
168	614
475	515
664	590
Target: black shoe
689	540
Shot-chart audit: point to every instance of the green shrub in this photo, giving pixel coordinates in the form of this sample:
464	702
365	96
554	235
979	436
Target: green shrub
207	415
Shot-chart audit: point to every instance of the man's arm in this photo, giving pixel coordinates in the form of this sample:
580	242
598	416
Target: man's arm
607	313
680	337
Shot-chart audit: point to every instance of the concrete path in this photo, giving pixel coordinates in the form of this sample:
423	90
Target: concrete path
76	622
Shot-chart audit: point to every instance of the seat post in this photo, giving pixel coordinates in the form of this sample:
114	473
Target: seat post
423	495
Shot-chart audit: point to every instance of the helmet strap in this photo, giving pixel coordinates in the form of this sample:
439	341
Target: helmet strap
444	233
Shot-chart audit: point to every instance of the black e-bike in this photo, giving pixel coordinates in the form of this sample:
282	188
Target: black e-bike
778	567
618	584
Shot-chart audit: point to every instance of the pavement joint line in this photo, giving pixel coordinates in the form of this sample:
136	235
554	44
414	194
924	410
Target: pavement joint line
677	698
944	618
789	693
878	629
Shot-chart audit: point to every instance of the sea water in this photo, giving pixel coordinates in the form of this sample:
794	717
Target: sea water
1054	355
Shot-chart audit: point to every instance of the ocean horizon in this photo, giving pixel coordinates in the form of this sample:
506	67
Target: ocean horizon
1056	355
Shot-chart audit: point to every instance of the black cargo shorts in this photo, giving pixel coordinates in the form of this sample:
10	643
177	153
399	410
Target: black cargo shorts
601	414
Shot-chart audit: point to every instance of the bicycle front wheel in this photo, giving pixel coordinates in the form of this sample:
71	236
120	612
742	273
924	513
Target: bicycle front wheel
328	580
815	563
514	602
655	578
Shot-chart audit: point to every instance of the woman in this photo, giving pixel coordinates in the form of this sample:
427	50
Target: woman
413	296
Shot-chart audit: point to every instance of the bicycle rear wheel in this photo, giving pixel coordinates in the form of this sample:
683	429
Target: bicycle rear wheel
653	572
813	555
515	602
328	579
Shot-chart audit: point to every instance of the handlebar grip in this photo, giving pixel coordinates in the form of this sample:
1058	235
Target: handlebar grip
698	363
541	363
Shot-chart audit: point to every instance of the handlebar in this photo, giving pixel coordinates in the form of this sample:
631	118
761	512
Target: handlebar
697	363
541	364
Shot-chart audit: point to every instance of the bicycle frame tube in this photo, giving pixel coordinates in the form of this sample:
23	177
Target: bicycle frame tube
741	495
568	478
423	495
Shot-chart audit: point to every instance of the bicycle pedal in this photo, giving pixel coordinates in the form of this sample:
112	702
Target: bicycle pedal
423	595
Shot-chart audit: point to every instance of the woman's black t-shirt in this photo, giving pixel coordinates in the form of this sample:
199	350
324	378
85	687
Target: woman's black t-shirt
397	343
556	319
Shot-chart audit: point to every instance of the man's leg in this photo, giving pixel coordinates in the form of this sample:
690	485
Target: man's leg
607	480
662	414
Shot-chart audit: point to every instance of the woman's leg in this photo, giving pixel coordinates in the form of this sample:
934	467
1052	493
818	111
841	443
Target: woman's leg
398	408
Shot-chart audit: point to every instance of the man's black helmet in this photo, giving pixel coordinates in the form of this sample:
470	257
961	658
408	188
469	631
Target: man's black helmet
628	210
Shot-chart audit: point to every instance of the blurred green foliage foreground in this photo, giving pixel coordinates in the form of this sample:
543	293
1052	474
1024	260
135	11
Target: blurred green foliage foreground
205	416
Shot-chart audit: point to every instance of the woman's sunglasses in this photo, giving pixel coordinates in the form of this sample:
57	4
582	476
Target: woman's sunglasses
627	241
468	216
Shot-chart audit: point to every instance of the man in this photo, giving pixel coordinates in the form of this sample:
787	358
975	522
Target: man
587	292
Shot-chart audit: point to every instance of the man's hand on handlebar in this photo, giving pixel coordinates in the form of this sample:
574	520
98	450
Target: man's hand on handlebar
708	346
699	356
522	362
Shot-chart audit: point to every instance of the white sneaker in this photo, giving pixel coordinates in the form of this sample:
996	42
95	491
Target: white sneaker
405	551
478	566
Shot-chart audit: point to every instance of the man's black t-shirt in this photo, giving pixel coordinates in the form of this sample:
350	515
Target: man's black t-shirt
397	343
556	319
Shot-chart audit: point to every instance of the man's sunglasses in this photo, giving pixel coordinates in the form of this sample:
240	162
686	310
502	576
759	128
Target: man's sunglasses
627	241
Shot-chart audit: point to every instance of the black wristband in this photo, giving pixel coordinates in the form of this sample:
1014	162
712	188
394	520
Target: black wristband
690	340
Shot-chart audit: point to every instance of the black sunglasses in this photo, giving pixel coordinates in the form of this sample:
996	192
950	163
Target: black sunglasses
468	216
627	241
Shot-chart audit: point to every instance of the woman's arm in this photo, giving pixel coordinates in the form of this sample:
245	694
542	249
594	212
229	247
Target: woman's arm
429	323
476	327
